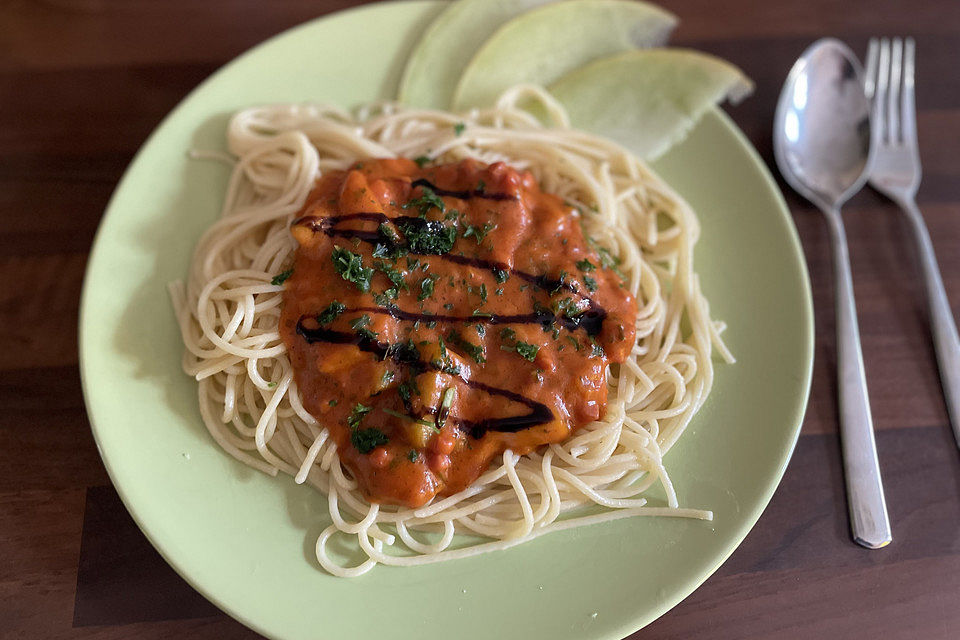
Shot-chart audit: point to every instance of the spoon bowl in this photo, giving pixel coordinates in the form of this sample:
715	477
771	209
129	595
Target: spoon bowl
822	125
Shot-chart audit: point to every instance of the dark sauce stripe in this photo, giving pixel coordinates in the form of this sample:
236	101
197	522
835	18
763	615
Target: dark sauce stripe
539	413
590	321
462	195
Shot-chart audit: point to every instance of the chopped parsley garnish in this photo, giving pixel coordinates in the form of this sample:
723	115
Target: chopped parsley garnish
561	280
481	186
459	128
406	389
527	350
333	402
392	274
366	440
453	214
607	259
350	267
574	342
499	291
483	292
475	351
478	232
386	298
362	321
329	314
281	277
357	414
590	282
427	201
481	330
426	287
597	351
585	265
387	377
360	326
430	237
412	455
422	161
501	275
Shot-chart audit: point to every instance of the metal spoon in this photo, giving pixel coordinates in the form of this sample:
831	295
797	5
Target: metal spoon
821	142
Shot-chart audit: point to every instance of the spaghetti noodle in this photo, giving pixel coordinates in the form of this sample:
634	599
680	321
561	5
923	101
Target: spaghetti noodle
229	311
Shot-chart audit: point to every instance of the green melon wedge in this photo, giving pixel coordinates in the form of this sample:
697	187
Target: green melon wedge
542	45
648	100
438	61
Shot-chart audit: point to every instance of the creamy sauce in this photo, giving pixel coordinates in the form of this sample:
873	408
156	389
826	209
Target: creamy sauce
439	315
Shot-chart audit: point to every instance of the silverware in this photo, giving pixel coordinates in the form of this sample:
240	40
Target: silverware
821	140
895	172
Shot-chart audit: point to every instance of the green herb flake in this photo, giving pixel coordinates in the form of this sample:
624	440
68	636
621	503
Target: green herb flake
590	282
329	314
281	277
473	350
357	415
479	233
428	237
428	200
394	275
459	128
585	265
350	267
501	275
366	440
422	161
426	287
527	350
597	351
412	455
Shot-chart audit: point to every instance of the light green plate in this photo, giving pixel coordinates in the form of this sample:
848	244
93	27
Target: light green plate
245	540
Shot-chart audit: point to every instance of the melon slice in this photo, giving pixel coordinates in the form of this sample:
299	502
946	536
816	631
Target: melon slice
541	45
438	61
648	100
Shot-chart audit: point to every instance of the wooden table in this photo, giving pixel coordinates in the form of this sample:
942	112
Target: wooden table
82	83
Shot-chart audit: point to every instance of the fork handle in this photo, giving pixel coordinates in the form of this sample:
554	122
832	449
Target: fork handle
942	326
869	521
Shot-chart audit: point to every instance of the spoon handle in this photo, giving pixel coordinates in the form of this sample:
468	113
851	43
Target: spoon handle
868	510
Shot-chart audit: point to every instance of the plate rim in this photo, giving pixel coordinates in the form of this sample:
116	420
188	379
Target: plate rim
633	621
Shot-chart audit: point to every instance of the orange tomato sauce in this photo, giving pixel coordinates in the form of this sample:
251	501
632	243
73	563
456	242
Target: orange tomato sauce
439	315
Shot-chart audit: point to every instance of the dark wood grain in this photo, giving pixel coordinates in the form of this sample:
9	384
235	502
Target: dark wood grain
83	82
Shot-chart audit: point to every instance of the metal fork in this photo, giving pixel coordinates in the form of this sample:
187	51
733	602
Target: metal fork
895	172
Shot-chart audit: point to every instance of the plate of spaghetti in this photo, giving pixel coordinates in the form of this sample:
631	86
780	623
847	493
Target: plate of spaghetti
438	364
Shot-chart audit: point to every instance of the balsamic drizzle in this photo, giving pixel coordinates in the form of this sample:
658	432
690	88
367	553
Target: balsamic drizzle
591	320
539	413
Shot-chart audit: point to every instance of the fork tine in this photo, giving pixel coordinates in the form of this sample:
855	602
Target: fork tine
880	97
908	100
896	62
870	75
